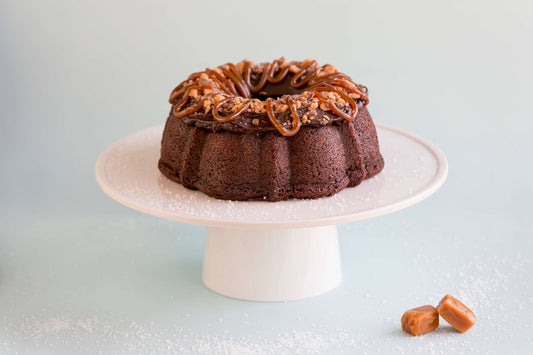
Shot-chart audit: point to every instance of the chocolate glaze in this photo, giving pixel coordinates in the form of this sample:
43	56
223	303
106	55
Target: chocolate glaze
243	122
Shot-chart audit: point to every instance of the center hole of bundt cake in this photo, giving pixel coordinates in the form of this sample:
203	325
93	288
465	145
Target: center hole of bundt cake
262	97
276	91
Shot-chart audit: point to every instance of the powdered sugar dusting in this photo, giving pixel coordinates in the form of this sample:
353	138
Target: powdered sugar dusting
62	331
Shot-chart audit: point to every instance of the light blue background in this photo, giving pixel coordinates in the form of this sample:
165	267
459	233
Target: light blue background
81	273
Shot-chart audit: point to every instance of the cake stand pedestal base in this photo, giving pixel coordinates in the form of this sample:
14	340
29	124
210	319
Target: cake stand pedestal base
272	264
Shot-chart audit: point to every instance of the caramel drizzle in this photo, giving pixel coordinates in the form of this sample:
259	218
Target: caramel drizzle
231	81
296	123
230	117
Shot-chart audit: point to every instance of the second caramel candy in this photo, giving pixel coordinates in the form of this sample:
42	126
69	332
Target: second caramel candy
420	320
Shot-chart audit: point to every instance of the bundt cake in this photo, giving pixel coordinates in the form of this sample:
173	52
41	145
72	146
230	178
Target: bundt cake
269	131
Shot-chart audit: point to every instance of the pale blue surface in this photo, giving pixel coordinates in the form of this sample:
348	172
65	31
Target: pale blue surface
80	273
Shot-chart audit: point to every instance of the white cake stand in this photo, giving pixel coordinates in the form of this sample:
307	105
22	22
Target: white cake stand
271	251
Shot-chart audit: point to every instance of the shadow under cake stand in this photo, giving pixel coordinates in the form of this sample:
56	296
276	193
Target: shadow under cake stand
271	251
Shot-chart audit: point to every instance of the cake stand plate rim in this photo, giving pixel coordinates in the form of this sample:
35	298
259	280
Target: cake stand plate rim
107	184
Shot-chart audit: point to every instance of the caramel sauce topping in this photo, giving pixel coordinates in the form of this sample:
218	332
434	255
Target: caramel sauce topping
230	89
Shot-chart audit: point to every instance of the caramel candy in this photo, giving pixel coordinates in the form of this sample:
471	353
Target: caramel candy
420	320
457	314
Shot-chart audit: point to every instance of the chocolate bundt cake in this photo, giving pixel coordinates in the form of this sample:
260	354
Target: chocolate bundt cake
269	131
